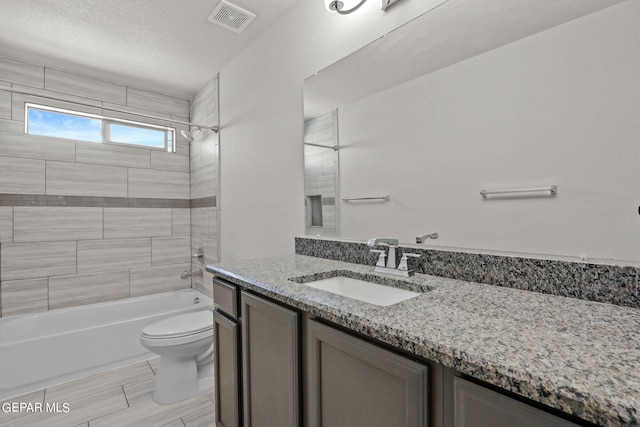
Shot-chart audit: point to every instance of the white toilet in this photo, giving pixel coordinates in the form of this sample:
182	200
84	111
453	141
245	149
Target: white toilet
185	346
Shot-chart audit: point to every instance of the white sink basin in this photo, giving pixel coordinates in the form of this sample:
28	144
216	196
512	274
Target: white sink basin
363	291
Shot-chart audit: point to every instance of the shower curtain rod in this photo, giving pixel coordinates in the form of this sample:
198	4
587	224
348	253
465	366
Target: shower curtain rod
148	116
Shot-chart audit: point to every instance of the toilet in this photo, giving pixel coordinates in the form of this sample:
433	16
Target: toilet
185	346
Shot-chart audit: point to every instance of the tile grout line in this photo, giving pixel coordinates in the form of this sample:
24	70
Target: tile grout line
125	396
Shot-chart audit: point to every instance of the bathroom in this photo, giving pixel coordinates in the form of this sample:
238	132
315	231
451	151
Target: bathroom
237	194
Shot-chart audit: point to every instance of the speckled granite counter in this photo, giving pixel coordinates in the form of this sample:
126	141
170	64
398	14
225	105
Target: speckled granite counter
578	356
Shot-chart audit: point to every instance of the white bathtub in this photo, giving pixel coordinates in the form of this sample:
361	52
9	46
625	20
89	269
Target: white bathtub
43	349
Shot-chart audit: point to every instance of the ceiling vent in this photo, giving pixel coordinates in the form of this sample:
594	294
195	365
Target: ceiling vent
231	17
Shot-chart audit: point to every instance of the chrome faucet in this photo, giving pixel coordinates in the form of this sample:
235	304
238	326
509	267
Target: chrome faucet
421	239
392	243
389	266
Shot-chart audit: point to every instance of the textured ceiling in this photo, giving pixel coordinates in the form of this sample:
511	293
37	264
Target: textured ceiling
169	47
162	45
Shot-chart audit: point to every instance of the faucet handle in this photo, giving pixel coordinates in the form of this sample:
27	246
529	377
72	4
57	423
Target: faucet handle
411	255
381	258
403	261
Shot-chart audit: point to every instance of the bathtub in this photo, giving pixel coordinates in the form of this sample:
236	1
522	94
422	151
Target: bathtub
43	349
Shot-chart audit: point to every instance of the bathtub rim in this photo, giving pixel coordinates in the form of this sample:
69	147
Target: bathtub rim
206	302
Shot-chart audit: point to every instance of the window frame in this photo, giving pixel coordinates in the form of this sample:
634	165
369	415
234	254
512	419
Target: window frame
170	144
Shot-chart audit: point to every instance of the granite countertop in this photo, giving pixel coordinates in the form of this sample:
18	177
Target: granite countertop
577	356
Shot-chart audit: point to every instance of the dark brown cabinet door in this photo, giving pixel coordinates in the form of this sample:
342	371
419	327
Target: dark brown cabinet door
476	406
270	363
227	371
353	383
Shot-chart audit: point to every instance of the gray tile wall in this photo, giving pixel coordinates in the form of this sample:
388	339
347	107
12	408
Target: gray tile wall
321	172
204	185
82	222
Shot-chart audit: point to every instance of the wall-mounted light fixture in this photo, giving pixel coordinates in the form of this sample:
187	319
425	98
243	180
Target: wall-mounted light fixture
345	7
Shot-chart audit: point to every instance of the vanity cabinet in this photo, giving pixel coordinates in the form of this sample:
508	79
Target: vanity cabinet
352	383
477	406
270	363
227	370
267	353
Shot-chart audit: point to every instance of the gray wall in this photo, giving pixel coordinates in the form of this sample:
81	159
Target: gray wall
82	222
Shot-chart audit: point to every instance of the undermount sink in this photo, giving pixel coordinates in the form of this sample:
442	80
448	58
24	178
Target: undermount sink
359	289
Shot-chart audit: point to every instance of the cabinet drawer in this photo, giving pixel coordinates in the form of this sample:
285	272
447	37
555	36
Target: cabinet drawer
478	406
225	297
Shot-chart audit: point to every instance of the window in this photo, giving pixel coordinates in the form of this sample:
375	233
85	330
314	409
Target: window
60	123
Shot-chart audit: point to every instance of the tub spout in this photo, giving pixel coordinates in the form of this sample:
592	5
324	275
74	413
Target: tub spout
188	275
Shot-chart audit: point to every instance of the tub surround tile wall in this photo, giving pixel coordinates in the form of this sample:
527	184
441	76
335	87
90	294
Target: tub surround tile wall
82	222
8	126
75	84
113	254
78	179
204	186
24	296
90	288
43	148
50	224
64	266
41	96
88	201
181	222
178	161
112	155
618	285
203	202
160	184
22	175
134	222
163	278
6	224
21	73
5	105
39	259
151	101
165	249
74	211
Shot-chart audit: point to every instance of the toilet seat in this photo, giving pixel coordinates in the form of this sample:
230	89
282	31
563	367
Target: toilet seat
179	326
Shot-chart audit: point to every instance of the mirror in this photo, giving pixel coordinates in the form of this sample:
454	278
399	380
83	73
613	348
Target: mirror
493	95
321	175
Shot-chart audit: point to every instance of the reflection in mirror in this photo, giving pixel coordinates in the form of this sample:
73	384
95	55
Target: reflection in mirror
321	183
496	95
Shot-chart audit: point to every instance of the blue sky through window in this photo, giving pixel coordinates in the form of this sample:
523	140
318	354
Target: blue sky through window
71	125
135	135
60	125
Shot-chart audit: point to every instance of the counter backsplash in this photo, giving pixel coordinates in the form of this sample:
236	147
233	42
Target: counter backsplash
595	282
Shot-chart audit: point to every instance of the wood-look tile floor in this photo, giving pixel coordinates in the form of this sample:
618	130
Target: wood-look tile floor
117	398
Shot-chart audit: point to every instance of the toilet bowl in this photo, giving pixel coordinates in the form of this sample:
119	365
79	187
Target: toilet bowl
185	346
